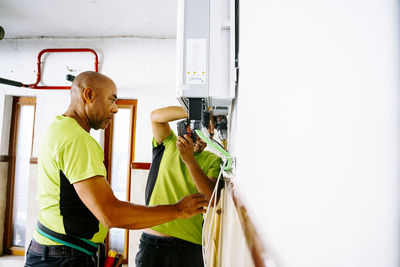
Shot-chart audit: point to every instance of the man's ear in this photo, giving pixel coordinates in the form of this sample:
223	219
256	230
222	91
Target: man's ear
88	95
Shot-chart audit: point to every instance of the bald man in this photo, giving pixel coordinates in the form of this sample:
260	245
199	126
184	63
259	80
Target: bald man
77	205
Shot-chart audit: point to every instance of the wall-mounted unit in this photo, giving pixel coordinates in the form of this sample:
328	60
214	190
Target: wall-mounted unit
206	69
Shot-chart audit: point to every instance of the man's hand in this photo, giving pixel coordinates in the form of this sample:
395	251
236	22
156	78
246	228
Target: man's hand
185	148
191	205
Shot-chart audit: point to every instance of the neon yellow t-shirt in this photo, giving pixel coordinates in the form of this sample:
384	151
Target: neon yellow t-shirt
173	182
67	154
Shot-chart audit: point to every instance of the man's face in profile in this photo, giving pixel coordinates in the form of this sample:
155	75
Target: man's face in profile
103	107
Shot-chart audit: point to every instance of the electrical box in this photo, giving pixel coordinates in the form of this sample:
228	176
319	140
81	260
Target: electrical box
206	55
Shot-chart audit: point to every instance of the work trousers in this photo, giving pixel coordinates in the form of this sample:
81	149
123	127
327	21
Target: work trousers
156	251
57	256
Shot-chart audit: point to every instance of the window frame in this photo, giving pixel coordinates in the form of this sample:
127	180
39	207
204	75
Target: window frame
18	101
108	147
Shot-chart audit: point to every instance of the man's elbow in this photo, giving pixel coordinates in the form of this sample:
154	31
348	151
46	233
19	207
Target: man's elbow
107	222
155	116
108	218
116	222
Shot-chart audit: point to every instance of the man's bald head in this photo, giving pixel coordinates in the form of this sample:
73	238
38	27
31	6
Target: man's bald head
89	79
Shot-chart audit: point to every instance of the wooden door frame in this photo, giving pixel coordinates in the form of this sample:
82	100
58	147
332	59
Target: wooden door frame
108	135
8	248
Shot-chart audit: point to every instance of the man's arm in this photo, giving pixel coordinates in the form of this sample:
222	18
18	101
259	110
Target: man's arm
99	198
160	119
204	184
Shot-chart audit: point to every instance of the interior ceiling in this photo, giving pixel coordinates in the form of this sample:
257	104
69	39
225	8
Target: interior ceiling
88	18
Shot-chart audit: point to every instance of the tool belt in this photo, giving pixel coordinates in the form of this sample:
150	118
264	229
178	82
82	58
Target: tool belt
81	244
54	250
75	242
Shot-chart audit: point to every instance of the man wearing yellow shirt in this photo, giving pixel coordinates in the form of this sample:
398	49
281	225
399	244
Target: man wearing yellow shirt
180	167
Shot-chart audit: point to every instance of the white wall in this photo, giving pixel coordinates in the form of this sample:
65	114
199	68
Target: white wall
319	85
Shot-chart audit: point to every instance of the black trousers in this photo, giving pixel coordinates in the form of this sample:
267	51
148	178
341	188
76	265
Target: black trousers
156	251
57	256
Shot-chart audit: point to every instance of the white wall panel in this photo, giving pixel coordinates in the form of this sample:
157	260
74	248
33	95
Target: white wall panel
317	141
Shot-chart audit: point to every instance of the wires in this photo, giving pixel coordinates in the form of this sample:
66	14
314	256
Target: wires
213	195
222	151
215	141
227	165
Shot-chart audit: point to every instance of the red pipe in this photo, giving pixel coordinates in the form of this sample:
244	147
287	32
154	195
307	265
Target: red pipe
56	50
